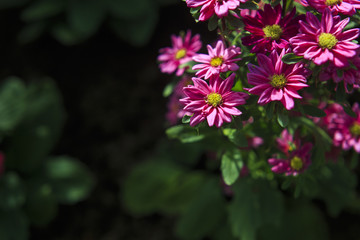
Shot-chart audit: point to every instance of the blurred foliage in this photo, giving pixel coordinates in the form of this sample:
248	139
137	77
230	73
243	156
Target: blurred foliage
34	183
73	21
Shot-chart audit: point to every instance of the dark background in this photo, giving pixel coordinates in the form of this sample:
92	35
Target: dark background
112	92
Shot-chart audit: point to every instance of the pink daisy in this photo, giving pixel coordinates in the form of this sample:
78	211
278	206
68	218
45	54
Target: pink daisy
275	80
181	52
286	142
209	7
346	7
297	162
344	129
214	102
325	41
268	30
349	75
220	59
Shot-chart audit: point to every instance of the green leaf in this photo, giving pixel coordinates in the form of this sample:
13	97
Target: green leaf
128	9
40	129
85	17
12	103
291	58
313	111
337	187
186	119
12	193
41	205
169	88
249	5
160	187
69	178
138	31
231	165
31	32
13	225
12	3
213	23
66	35
43	9
283	118
269	110
184	133
205	214
348	110
255	204
236	136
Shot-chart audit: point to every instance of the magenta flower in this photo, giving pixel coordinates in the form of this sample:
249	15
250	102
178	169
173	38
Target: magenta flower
344	129
275	80
181	52
175	107
325	41
348	75
214	102
286	142
268	30
209	7
297	162
220	59
346	7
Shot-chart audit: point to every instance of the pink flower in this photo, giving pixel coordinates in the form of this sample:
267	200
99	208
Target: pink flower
286	142
344	129
181	52
275	80
214	102
268	30
175	107
209	7
325	41
297	162
349	75
346	7
220	59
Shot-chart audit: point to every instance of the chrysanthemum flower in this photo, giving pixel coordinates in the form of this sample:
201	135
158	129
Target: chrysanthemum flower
209	7
220	59
286	142
181	52
325	41
275	80
175	107
297	162
214	102
349	75
346	7
344	129
268	30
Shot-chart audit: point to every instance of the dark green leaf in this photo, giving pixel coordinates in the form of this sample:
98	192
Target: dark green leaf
12	193
313	111
169	88
213	23
184	133
291	58
12	103
43	9
70	179
160	187
12	3
36	135
13	225
31	32
205	213
85	17
128	9
283	118
185	119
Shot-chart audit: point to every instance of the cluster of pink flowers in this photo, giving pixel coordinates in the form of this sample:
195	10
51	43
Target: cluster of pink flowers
344	129
297	157
320	41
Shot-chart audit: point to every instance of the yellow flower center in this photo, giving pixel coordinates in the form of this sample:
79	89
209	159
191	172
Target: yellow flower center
278	81
274	32
327	40
214	99
296	163
216	61
332	2
180	54
355	129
